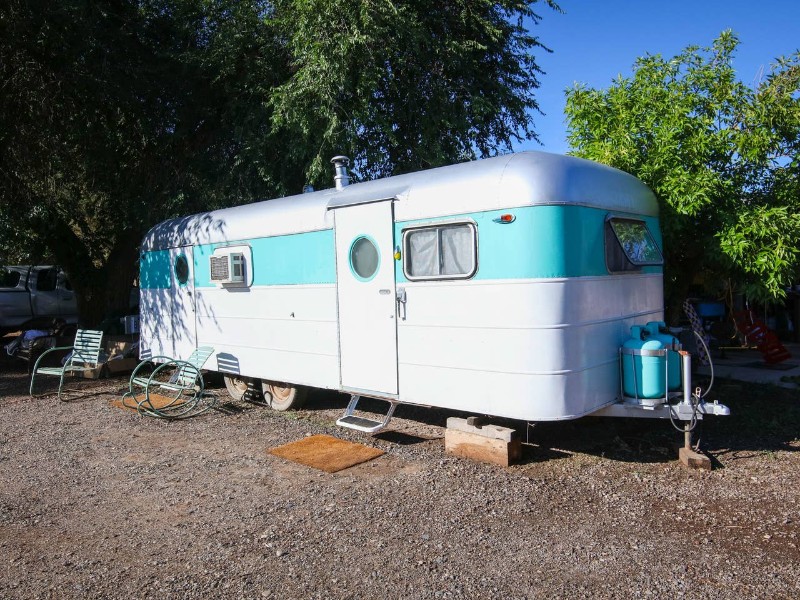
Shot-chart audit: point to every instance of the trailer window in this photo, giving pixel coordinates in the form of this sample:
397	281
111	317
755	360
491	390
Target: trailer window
9	278
364	258
46	280
630	246
182	269
440	252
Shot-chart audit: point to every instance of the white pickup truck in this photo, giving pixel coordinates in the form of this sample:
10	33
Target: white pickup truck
32	296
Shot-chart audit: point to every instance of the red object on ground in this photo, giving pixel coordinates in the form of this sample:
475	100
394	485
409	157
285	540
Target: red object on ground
756	332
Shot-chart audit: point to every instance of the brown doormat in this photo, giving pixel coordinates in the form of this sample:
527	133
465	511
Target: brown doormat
326	453
156	400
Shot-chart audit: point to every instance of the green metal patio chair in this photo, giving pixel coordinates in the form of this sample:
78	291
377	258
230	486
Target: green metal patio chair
173	389
84	356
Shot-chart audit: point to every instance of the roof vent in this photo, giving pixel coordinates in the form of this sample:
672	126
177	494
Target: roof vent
308	188
342	179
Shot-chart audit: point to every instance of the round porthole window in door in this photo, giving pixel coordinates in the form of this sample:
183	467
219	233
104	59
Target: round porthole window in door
364	258
182	269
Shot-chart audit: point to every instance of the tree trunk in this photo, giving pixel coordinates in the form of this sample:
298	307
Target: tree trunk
101	291
121	270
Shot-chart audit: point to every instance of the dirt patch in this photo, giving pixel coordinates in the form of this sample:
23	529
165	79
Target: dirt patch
100	502
156	401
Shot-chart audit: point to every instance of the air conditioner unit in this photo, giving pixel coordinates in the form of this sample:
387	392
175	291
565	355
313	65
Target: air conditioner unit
227	268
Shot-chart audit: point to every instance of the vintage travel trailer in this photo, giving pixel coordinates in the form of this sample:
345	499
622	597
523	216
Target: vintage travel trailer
505	287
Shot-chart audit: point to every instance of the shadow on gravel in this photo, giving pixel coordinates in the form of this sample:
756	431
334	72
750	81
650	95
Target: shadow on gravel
631	440
78	395
764	418
319	400
230	408
531	454
401	438
625	440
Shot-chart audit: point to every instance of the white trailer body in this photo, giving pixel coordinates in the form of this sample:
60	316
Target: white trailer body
504	286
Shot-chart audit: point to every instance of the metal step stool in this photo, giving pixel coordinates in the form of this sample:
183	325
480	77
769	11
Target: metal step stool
351	421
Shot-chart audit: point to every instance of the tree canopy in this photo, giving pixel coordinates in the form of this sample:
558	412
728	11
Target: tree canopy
721	156
115	115
407	85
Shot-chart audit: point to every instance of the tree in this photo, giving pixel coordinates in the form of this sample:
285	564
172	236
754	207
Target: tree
116	115
721	157
403	86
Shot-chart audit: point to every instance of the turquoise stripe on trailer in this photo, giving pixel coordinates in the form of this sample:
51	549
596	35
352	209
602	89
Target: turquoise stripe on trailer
542	242
155	270
295	259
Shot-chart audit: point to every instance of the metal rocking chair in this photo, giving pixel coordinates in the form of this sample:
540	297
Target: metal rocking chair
174	388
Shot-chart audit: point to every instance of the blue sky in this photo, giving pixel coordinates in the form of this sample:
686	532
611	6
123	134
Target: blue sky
595	40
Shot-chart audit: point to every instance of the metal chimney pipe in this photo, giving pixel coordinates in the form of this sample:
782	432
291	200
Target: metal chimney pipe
342	179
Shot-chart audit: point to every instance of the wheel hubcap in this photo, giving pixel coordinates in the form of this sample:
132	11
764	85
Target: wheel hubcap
240	385
281	392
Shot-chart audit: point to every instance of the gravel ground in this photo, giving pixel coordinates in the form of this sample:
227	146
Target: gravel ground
97	502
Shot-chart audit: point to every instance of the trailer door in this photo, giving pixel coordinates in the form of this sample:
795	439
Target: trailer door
366	298
183	321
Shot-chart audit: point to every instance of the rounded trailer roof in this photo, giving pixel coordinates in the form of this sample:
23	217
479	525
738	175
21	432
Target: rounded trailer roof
513	180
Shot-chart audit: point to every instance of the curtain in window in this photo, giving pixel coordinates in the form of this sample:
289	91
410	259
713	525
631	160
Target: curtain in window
423	253
457	250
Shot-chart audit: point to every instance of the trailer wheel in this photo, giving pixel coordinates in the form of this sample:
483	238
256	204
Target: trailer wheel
236	386
283	396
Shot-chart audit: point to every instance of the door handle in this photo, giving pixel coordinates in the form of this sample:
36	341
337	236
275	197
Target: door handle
401	302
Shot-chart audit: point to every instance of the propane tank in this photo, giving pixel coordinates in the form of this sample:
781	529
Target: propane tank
673	346
643	366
